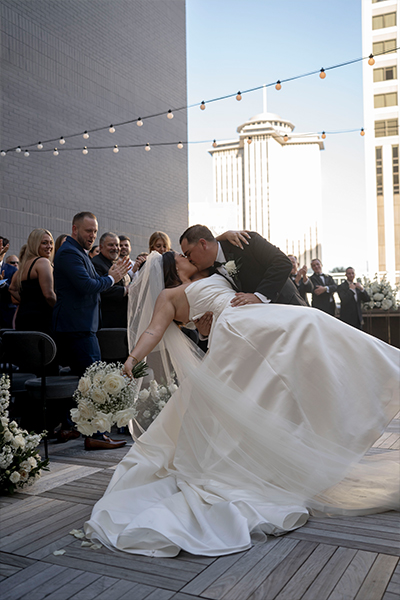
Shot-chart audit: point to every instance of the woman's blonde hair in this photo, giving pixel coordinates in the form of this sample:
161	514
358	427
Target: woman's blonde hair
159	235
32	249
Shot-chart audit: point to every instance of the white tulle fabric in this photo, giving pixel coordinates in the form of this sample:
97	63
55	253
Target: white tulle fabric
271	425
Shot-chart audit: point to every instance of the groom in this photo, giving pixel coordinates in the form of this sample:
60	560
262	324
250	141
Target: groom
262	270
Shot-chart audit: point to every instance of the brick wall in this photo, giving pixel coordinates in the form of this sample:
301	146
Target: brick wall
71	65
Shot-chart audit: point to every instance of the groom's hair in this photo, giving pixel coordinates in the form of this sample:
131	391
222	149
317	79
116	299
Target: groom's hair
194	233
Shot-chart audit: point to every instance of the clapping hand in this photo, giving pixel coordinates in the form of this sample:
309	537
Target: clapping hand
3	249
138	262
120	269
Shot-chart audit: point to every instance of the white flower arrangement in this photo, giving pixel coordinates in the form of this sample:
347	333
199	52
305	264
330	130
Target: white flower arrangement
151	401
231	268
382	294
20	464
105	397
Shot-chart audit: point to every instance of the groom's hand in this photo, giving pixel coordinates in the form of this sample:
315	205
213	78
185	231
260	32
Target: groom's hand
203	325
241	299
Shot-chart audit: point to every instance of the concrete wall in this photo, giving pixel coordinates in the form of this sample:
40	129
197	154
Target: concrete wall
73	65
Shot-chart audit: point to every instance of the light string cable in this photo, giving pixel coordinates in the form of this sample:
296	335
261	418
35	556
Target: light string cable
169	113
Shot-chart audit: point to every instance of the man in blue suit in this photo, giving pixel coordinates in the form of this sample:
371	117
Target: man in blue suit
76	312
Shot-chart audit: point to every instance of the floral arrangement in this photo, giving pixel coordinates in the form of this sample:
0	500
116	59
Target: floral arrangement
20	464
105	397
382	294
151	401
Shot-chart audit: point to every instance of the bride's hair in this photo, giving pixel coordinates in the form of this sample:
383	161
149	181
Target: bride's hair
171	277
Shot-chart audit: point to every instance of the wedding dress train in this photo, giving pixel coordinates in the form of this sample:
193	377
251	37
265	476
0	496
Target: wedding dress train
271	426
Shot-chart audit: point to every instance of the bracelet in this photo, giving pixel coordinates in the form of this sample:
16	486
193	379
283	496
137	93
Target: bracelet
134	357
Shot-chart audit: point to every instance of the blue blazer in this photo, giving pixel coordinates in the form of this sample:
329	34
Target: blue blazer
78	288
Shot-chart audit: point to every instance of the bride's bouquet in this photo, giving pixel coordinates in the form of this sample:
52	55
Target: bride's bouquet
105	397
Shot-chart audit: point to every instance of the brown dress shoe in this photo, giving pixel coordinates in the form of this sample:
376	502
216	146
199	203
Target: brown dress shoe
105	443
67	434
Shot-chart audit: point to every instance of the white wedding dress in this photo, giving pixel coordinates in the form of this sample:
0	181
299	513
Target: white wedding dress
270	426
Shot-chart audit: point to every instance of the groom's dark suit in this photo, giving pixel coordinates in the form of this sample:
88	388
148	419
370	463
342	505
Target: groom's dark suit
263	268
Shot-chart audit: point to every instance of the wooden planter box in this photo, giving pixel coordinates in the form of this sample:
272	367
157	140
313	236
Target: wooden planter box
383	324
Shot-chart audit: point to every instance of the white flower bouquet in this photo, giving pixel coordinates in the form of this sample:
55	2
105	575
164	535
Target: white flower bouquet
151	401
20	464
382	294
105	397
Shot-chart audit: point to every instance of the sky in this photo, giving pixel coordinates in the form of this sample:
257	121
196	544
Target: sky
240	44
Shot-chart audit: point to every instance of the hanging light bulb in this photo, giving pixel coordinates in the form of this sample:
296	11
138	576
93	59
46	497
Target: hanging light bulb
170	114
39	146
56	152
3	153
147	148
322	74
371	60
85	150
238	96
285	138
180	145
249	140
214	144
278	85
203	105
26	153
18	149
115	149
86	135
362	132
111	129
62	141
139	122
323	135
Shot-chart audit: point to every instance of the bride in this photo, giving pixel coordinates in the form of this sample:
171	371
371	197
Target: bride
272	424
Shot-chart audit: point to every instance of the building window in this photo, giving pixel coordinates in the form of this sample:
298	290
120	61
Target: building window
395	163
375	1
385	73
382	21
382	100
387	127
379	171
385	47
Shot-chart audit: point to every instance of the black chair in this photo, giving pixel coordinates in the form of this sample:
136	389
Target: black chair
113	344
33	351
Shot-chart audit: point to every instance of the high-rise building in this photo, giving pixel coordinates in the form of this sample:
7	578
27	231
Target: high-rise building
72	66
381	123
269	181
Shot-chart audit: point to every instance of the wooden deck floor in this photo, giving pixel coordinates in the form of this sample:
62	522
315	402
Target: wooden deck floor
336	559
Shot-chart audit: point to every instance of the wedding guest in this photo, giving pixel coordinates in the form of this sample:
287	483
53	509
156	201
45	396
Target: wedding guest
351	295
160	242
94	251
12	260
7	306
59	242
324	288
4	247
125	251
299	277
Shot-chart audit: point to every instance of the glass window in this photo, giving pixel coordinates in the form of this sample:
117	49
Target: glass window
395	163
385	47
387	127
385	73
382	21
382	100
379	173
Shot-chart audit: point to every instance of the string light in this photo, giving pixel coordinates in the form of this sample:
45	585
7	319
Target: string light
285	138
323	135
170	114
115	149
238	96
147	148
62	141
18	149
39	146
322	74
26	153
371	60
139	122
180	145
278	85
214	144
85	150
362	132
55	152
86	135
203	105
3	153
111	129
249	140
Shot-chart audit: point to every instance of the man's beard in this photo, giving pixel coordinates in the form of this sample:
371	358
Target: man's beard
85	244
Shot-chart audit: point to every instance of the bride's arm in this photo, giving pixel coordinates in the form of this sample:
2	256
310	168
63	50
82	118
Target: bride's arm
163	315
236	238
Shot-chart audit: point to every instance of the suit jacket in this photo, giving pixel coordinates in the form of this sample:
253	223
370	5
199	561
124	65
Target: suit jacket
78	288
303	288
263	268
114	302
350	304
324	301
7	308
